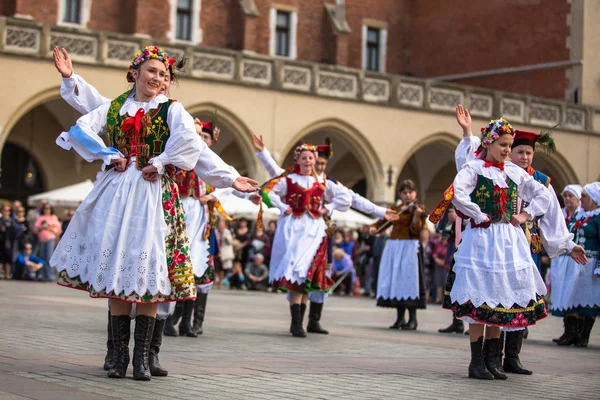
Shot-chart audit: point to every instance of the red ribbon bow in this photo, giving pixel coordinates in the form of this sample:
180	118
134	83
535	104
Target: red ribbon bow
134	122
500	166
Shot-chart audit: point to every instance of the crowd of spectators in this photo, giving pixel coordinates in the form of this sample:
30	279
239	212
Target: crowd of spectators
28	239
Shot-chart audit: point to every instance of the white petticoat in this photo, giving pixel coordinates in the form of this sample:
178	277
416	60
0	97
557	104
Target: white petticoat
494	266
295	246
196	219
574	285
116	239
399	270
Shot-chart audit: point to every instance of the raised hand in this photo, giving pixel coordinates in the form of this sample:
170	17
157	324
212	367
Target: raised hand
62	62
464	119
245	185
258	142
391	215
578	254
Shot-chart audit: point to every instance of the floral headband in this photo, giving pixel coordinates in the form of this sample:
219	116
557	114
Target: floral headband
304	147
495	129
150	53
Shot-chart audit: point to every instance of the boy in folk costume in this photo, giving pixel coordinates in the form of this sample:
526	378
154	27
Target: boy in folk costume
547	231
324	154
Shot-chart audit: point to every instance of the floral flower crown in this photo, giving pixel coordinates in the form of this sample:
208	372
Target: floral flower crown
149	53
304	147
495	129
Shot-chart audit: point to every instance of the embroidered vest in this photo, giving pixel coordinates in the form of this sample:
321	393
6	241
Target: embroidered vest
151	139
303	200
499	203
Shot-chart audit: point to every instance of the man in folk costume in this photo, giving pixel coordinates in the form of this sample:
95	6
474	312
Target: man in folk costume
199	201
548	231
324	154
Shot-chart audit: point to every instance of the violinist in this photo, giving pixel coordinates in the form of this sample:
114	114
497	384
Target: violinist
401	282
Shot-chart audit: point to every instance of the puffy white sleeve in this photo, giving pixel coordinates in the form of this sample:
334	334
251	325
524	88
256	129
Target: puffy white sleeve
464	184
222	192
366	206
270	165
555	234
338	196
277	194
84	137
535	193
465	151
81	95
184	145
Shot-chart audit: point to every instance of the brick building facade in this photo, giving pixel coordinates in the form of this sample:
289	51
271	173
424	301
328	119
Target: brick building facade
466	42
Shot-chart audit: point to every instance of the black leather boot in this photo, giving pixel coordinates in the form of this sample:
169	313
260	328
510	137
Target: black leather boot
144	327
477	367
199	311
172	320
121	330
314	316
108	359
185	327
296	328
155	368
399	318
512	348
564	335
572	332
302	312
411	325
492	355
584	338
456	326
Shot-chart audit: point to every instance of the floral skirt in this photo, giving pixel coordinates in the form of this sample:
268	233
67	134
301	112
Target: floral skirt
116	271
515	317
317	279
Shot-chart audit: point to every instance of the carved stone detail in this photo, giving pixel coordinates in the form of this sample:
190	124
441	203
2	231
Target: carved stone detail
444	99
544	114
513	110
21	39
410	94
79	46
212	65
376	89
481	105
121	52
575	119
296	78
337	85
257	72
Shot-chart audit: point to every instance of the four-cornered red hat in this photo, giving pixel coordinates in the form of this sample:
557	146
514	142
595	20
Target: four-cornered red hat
325	150
208	127
527	138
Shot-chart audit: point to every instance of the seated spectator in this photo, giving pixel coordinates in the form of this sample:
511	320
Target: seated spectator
27	265
257	274
343	268
236	276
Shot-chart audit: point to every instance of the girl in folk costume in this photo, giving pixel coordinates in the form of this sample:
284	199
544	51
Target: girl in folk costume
127	240
494	280
299	256
199	200
579	296
324	153
401	282
547	232
561	267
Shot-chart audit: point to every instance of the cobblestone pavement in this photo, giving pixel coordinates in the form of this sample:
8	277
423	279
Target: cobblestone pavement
52	345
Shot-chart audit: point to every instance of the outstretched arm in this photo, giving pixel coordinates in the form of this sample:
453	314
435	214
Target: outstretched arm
465	151
265	157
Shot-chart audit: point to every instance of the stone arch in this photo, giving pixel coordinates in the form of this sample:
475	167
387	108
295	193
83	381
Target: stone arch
430	164
556	166
234	132
14	166
355	140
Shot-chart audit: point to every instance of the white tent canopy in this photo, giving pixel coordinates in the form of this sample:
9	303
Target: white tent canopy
68	196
